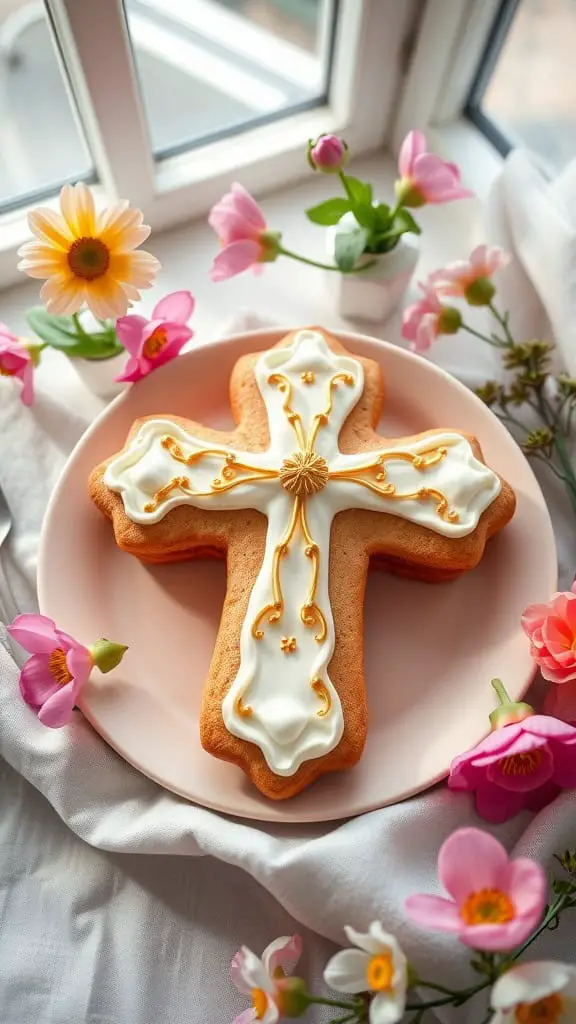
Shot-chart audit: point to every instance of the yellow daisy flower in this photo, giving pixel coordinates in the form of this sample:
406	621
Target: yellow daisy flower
88	258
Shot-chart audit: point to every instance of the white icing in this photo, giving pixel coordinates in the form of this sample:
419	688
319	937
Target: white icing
285	723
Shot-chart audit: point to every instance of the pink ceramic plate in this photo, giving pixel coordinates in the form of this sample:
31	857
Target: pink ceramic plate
430	650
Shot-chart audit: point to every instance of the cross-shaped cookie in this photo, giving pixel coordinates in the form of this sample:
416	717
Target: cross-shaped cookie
300	498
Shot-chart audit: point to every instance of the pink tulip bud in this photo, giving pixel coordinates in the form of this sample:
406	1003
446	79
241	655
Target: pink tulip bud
328	154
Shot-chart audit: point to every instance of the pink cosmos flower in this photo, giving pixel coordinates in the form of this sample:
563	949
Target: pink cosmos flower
16	361
521	765
424	320
424	177
458	277
53	677
261	978
495	903
551	629
328	154
239	222
151	343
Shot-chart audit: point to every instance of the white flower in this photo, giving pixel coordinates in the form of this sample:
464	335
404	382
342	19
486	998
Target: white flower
543	992
257	977
377	966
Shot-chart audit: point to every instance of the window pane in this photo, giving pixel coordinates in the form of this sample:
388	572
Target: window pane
531	93
210	67
41	143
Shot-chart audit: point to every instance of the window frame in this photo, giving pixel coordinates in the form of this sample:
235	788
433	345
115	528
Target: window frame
95	53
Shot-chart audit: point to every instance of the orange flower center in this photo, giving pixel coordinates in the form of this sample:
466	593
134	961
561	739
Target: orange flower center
155	343
6	373
545	1011
521	764
58	667
488	906
259	1002
380	972
88	258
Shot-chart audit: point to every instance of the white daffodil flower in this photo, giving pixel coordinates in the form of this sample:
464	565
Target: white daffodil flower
542	992
377	966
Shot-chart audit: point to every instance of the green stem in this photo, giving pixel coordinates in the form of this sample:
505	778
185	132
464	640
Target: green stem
79	329
340	1005
323	266
343	1020
433	985
503	321
395	210
342	177
552	912
501	692
483	337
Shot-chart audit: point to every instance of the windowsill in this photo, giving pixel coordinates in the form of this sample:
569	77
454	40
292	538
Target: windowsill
286	293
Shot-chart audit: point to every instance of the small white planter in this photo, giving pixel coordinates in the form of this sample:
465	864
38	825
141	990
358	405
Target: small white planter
98	374
374	294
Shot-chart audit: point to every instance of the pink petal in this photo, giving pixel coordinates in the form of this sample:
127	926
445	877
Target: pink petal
284	952
131	372
533	617
564	765
36	681
236	972
234	259
35	633
414	145
540	798
177	335
427	332
550	728
433	912
497	741
553	672
471	860
57	710
177	307
130	330
246	1016
248	208
540	770
80	665
27	377
498	937
556	634
527	887
496	805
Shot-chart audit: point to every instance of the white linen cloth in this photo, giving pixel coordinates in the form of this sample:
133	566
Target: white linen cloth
136	925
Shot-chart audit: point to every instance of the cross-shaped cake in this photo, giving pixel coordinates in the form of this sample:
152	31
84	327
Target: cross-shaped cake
301	497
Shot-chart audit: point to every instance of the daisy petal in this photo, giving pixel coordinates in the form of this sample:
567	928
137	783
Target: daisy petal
50	227
528	983
387	1007
284	952
346	971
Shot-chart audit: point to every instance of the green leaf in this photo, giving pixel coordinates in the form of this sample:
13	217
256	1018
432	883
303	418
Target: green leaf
382	214
348	246
329	212
91	348
359	191
405	219
60	332
365	215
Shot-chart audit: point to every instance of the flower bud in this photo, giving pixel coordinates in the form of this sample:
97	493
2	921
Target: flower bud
106	654
291	997
407	194
328	154
449	320
509	711
480	292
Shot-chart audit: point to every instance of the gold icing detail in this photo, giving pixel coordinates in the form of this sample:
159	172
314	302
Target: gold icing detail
378	485
181	483
308	377
304	473
244	710
288	644
321	418
278	380
310	613
321	690
275	610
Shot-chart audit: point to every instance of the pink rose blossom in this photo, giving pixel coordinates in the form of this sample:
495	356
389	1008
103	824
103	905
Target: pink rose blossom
246	241
551	629
16	361
152	343
458	277
495	902
328	154
424	177
521	765
53	677
424	320
261	978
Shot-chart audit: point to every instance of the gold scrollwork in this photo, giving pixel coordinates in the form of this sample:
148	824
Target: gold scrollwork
278	380
321	418
321	690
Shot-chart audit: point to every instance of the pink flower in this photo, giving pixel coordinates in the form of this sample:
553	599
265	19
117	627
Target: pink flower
495	903
151	343
239	222
328	154
261	979
457	278
53	677
426	319
16	361
425	178
551	629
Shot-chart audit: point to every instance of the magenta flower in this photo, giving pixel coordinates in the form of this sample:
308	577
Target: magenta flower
16	361
424	177
261	978
459	278
246	241
152	343
495	903
424	320
328	154
53	677
551	629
